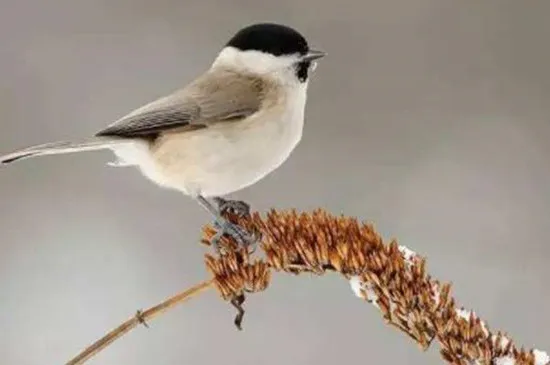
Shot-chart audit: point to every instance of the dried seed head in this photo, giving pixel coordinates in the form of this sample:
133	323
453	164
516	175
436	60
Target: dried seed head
234	273
390	276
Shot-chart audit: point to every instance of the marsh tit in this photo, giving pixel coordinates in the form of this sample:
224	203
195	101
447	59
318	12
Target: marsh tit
224	131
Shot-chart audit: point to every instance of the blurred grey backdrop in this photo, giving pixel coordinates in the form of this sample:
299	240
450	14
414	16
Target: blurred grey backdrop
428	117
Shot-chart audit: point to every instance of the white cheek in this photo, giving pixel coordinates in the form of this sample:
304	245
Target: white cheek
252	61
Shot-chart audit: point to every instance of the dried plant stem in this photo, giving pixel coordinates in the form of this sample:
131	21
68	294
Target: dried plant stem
391	277
139	318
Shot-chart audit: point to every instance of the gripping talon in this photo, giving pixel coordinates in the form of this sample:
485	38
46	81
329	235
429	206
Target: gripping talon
223	226
239	234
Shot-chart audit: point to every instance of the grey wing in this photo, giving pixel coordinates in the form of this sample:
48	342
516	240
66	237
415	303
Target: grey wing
148	121
214	98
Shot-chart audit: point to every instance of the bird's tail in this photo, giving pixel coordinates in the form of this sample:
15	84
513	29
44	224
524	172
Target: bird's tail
92	144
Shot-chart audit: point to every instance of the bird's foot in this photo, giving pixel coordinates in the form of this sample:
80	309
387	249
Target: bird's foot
240	208
238	233
223	226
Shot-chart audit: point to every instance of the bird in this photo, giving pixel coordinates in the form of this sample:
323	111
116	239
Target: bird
225	130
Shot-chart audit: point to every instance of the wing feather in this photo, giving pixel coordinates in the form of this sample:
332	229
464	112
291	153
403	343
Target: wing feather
218	96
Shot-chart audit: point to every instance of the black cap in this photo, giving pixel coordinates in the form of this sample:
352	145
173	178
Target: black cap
270	38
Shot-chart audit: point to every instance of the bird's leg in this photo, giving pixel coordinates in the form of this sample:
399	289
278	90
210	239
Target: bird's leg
223	226
242	209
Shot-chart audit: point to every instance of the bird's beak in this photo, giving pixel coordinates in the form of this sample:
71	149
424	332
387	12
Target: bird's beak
313	55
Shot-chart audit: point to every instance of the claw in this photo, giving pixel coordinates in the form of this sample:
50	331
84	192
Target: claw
239	234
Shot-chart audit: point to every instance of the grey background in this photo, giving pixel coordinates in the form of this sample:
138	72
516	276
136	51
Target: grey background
429	117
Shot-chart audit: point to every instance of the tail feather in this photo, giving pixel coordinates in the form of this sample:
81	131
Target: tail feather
60	148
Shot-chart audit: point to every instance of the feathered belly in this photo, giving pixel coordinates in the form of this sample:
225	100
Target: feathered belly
220	160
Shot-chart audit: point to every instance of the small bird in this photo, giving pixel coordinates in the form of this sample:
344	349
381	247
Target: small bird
224	131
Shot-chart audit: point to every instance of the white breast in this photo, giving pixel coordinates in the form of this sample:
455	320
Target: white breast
227	157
